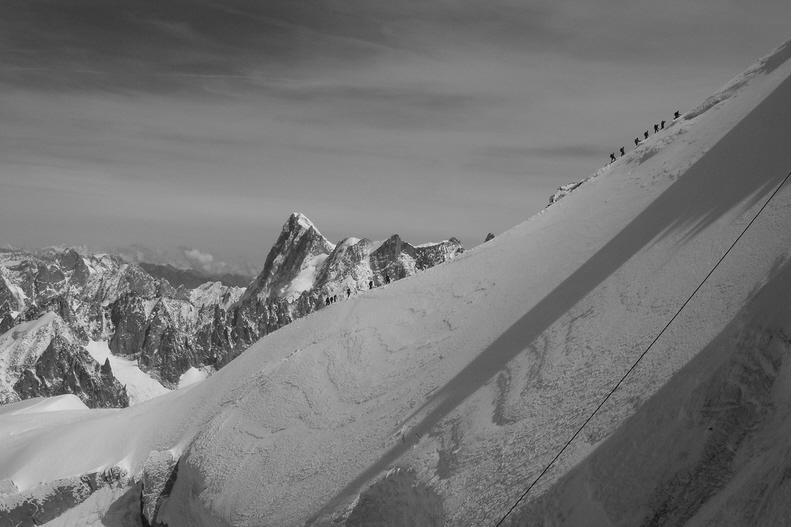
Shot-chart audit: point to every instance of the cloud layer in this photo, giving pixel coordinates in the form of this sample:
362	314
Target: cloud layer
205	123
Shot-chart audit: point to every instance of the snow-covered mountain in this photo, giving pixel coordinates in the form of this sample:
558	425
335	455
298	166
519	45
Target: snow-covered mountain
169	331
43	358
304	271
622	358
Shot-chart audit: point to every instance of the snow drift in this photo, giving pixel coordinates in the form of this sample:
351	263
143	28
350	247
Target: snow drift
439	399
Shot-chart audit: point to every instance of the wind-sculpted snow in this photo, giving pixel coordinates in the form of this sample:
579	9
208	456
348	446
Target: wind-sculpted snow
709	448
440	398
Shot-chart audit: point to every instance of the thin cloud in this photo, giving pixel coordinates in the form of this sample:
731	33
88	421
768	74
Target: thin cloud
210	264
574	150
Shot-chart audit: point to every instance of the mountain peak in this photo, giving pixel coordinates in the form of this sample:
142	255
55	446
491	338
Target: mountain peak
298	221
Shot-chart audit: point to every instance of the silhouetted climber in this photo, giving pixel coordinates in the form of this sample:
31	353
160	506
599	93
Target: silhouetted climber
657	128
662	125
349	292
676	115
387	279
371	284
646	134
637	141
621	151
613	157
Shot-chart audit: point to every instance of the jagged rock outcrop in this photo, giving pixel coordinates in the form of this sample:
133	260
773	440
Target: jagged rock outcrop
564	190
303	269
167	330
49	500
12	299
65	367
77	287
42	357
159	474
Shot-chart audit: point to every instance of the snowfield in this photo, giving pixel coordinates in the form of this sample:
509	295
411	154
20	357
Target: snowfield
439	399
140	386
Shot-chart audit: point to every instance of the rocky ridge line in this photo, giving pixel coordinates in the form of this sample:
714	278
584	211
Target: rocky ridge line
170	330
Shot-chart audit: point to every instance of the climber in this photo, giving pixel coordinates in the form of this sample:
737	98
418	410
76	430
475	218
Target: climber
637	141
621	151
349	292
676	115
646	134
371	284
662	125
613	157
657	128
387	279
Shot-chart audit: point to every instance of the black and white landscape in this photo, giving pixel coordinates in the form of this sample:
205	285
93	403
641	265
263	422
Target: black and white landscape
64	314
620	358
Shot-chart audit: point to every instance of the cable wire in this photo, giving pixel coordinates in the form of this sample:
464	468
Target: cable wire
635	364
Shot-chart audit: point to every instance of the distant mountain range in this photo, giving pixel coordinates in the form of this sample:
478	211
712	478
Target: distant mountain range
54	302
190	278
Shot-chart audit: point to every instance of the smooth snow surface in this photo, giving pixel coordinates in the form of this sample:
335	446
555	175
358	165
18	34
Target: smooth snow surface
441	397
192	376
305	279
44	404
140	386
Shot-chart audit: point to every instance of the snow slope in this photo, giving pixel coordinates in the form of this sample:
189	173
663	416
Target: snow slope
45	404
140	386
438	399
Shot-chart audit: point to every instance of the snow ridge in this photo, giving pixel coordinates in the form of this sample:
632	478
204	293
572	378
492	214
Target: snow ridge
437	398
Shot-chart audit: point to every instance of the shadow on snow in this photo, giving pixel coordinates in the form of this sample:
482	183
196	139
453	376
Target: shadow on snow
749	161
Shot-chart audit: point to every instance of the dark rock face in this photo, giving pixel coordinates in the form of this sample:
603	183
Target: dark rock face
299	241
67	368
8	300
128	315
61	307
170	330
159	475
49	500
285	291
6	323
76	287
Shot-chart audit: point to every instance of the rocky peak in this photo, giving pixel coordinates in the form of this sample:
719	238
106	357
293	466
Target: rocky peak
42	357
12	298
65	367
167	330
298	244
430	254
347	264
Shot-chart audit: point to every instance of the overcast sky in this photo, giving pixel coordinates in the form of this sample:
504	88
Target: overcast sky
197	126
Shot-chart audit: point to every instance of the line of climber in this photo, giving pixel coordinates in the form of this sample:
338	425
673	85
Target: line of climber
332	299
638	140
